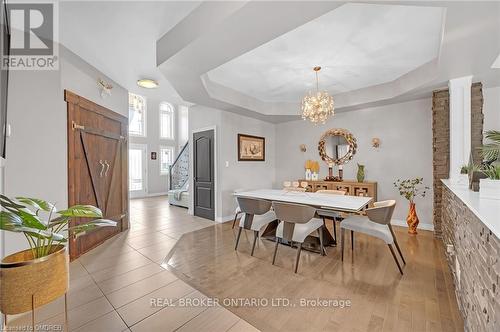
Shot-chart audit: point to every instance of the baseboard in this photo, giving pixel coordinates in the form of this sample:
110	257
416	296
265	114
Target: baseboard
402	223
157	194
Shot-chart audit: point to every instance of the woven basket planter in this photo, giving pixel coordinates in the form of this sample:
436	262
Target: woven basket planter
27	283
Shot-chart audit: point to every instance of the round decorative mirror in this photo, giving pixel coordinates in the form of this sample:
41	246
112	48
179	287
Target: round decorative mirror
337	146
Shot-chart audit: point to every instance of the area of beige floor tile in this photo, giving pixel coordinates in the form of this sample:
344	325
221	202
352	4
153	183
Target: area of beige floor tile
149	304
168	319
140	288
96	265
122	268
84	295
242	326
83	314
110	322
214	319
110	285
76	270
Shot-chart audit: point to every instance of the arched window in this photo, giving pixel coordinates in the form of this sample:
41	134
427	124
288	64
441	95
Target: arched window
166	121
137	115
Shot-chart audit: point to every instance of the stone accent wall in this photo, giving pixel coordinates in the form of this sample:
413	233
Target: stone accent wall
441	141
440	150
477	119
475	264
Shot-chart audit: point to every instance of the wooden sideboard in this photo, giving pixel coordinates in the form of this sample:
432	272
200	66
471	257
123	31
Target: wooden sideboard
351	187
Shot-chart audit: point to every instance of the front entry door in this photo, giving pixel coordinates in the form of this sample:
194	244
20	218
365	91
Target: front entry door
97	167
203	174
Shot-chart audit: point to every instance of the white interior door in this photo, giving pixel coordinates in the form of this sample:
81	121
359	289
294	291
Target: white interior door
137	170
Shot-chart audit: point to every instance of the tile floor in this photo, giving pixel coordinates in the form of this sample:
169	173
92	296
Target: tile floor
112	286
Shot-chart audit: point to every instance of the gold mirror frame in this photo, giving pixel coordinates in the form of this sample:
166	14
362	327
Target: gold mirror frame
351	140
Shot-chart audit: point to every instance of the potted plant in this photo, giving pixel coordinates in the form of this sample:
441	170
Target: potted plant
490	187
410	189
36	276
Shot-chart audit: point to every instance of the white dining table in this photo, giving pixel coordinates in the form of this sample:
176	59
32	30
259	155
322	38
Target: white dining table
343	203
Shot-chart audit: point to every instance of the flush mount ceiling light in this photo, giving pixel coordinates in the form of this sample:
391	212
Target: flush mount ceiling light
147	83
317	106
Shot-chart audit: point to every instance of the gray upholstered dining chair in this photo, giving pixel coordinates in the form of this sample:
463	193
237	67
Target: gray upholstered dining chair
257	213
296	223
377	223
237	212
329	214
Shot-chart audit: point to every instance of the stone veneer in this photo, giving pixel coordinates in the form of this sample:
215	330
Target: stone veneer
441	141
474	264
440	150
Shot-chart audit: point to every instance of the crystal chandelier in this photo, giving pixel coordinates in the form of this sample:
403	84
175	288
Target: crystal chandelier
317	106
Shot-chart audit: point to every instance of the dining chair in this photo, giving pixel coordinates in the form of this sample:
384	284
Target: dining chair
257	213
237	210
328	214
296	223
377	223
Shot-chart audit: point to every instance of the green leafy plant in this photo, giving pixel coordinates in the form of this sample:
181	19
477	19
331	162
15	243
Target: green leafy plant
411	188
464	169
491	150
492	172
23	215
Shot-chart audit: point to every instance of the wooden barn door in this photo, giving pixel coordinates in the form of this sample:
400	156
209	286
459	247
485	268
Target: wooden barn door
97	167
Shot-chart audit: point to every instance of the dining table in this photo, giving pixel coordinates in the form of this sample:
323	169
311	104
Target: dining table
321	201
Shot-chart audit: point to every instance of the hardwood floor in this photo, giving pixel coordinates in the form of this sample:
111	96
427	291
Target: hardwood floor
381	299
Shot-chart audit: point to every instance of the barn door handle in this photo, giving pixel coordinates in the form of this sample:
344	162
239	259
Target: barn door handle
102	168
107	167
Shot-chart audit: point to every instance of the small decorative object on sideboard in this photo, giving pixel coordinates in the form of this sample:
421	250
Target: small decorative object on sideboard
308	166
315	171
490	187
411	189
361	173
37	276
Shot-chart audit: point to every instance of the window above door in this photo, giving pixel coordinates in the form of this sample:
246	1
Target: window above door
166	121
137	115
166	159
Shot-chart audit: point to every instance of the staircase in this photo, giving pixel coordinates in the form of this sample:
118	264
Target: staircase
179	170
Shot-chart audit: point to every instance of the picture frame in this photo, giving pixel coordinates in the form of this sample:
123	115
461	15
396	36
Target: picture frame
251	148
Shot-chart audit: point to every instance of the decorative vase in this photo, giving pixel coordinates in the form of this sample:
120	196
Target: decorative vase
308	174
361	173
412	219
28	282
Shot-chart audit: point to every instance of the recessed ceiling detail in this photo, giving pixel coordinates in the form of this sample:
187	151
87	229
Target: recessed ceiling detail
358	45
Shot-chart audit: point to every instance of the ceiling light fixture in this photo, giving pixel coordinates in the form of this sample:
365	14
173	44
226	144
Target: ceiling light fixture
317	106
147	83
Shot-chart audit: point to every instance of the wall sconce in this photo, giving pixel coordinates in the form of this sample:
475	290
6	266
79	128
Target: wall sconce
376	142
303	148
104	88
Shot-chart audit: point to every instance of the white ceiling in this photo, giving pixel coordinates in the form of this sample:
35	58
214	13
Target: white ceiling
119	38
357	46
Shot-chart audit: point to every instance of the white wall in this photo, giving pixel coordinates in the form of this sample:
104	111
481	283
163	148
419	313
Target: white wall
491	108
36	162
405	131
238	174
